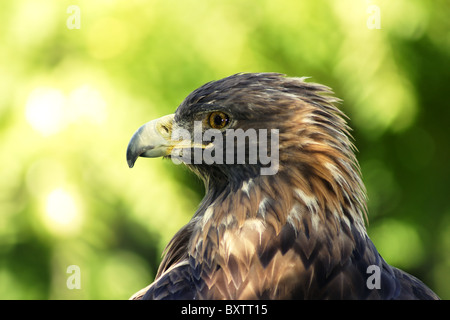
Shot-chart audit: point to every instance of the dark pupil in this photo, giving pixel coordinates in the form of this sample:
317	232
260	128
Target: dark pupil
218	120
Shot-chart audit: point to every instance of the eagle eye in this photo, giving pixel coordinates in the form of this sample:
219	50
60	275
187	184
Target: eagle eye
218	120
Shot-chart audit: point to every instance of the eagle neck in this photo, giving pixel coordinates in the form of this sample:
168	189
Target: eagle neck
272	202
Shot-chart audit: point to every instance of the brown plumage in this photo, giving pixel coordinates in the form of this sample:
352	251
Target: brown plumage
295	234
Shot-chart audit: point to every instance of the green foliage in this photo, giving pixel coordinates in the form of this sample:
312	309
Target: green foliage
73	89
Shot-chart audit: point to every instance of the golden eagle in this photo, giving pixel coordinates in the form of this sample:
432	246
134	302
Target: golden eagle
284	209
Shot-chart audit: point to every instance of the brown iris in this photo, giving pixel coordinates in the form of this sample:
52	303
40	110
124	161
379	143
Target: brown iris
218	120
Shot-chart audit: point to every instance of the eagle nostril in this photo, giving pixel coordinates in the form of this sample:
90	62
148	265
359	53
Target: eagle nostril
165	128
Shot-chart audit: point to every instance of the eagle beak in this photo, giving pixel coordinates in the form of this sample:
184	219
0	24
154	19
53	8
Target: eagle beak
151	140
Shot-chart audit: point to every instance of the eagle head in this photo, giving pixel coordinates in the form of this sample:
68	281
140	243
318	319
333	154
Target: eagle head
249	125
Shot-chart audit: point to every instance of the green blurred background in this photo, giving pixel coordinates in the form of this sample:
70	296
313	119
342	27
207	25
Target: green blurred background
70	99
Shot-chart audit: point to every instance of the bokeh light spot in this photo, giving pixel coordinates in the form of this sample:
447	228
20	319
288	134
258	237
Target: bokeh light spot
62	213
45	110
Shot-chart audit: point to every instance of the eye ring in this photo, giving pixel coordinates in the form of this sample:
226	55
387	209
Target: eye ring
218	120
